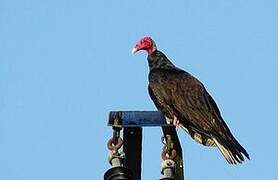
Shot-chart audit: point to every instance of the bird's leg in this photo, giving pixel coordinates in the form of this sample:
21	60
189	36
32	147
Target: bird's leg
173	121
176	122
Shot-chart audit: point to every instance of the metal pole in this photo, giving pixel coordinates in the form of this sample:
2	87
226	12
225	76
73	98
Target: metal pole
133	150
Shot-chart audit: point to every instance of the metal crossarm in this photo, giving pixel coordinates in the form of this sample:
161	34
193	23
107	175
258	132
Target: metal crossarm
139	118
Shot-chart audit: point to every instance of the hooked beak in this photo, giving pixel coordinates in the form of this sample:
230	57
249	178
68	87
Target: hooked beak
134	50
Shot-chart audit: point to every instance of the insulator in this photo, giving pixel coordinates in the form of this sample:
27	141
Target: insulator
117	173
167	178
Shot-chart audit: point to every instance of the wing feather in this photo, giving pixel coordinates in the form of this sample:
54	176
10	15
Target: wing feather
187	96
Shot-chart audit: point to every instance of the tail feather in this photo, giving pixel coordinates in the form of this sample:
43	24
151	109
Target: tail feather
231	150
242	150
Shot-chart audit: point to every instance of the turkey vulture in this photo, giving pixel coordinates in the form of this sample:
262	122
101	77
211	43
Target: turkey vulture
184	101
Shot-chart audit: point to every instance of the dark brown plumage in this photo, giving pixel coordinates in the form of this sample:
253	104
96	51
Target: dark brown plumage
178	94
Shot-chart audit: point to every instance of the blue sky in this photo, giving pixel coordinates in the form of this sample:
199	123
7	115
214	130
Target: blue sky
66	64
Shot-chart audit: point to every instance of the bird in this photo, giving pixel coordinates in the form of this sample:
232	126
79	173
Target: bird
186	103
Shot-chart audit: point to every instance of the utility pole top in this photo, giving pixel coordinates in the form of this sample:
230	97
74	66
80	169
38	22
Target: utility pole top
132	123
